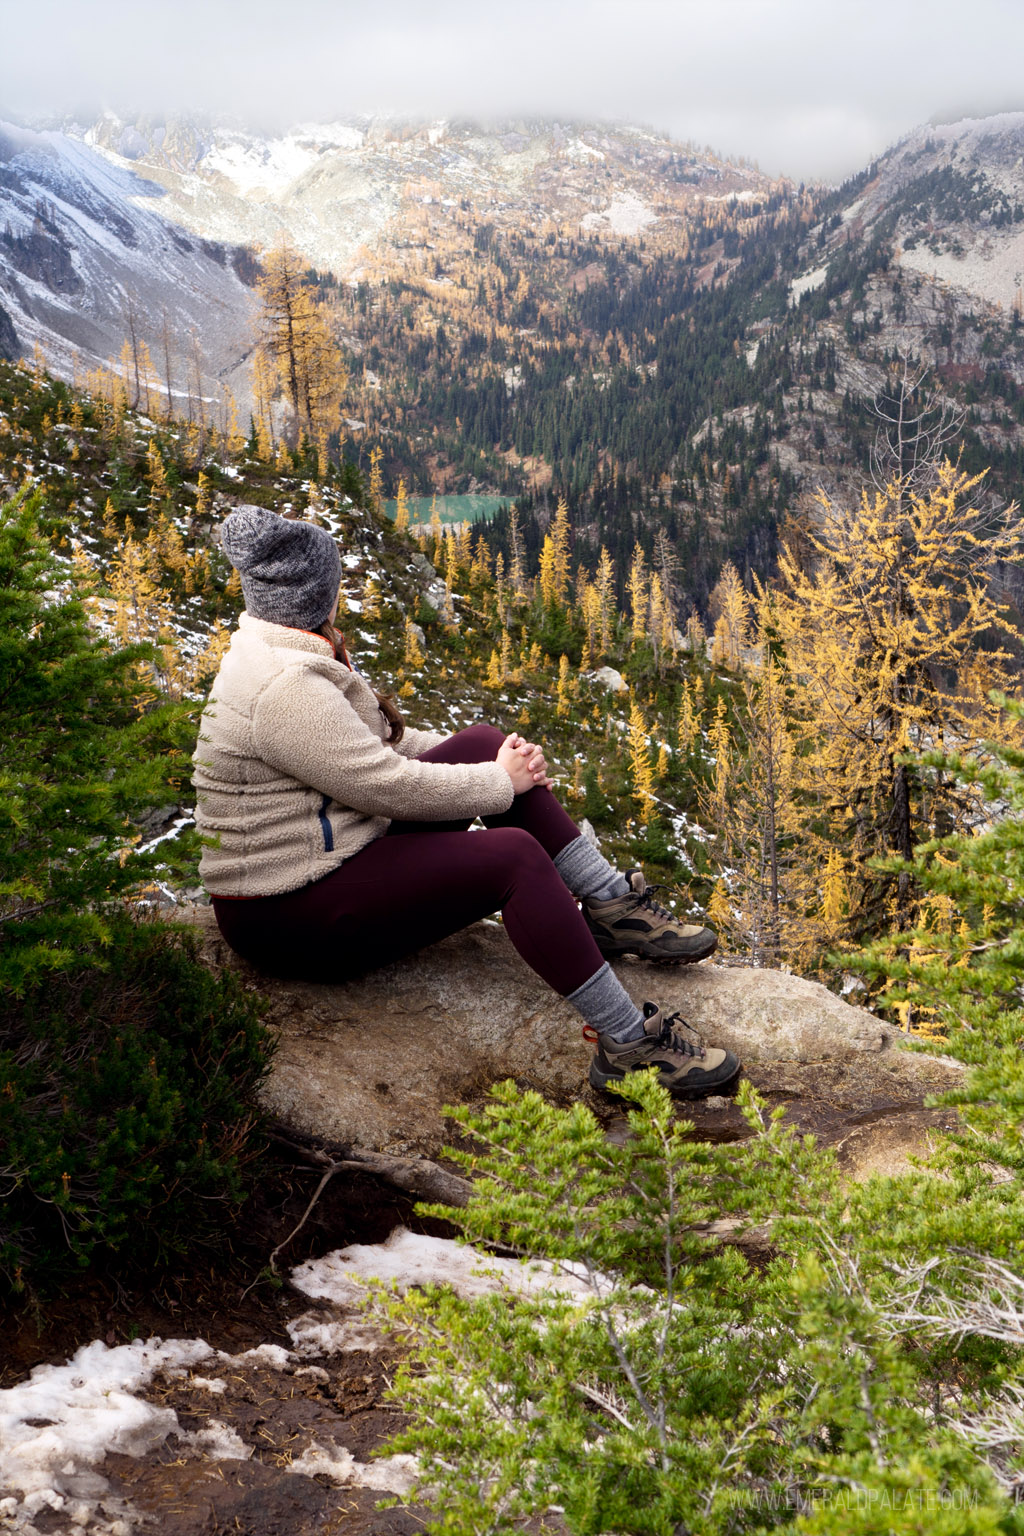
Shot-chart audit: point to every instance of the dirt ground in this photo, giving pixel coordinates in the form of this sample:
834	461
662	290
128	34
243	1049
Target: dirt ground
337	1403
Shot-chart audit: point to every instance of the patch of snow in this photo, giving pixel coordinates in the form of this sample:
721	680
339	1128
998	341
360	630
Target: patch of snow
806	284
626	214
408	1258
989	267
315	1334
56	1426
849	214
391	1474
271	166
166	837
219	1441
578	150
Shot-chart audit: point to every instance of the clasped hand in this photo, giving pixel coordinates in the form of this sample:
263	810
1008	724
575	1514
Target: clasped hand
524	763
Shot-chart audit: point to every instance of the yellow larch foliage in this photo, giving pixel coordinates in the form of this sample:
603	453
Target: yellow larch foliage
835	893
696	640
560	537
898	595
517	574
197	571
402	508
464	546
564	689
640	763
493	678
482	561
638	593
547	572
296	336
205	665
591	610
262	397
156	474
202	495
605	584
436	529
719	912
730	603
376	486
371	598
689	722
235	439
413	654
721	742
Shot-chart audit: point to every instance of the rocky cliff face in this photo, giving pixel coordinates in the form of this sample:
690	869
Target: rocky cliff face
87	251
10	347
372	1063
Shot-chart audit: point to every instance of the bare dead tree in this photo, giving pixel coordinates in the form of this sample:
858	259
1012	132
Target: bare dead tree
165	341
915	429
130	315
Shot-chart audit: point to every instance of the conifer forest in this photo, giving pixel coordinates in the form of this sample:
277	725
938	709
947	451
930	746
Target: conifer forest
754	582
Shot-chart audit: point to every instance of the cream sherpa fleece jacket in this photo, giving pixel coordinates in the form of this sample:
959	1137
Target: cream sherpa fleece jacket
293	774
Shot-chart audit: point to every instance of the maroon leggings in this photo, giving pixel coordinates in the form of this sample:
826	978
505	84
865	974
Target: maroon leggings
422	881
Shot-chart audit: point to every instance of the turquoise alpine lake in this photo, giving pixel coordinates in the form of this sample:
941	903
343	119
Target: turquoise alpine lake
451	509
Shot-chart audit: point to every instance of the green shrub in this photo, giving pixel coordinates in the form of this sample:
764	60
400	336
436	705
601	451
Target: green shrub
693	1391
127	1105
77	759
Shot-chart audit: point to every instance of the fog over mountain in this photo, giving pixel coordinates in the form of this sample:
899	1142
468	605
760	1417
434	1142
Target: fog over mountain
807	91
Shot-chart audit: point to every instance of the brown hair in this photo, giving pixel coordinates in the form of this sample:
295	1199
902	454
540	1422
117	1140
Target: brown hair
385	703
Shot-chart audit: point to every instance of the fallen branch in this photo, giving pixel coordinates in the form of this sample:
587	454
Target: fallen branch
414	1175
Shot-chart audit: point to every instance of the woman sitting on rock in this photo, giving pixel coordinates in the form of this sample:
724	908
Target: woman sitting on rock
337	837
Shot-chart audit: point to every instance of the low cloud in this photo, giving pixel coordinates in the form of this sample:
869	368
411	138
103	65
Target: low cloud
803	89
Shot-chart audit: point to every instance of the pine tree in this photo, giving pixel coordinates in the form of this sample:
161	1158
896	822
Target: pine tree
76	759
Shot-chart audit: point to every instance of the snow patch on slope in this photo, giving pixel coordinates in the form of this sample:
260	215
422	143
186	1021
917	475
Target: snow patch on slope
407	1258
626	214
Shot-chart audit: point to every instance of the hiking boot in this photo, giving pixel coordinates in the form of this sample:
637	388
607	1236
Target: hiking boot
636	924
689	1069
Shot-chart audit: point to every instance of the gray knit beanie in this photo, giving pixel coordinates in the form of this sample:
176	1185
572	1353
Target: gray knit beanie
290	570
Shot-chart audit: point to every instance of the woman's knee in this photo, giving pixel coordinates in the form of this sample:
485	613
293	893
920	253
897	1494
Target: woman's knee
485	734
519	851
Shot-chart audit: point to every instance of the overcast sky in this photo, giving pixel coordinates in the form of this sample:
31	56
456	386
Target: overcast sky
811	88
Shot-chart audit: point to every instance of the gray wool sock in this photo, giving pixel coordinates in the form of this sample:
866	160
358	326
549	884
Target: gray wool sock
587	872
607	1006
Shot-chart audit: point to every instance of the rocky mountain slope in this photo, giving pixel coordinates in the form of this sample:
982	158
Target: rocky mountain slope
88	254
536	309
